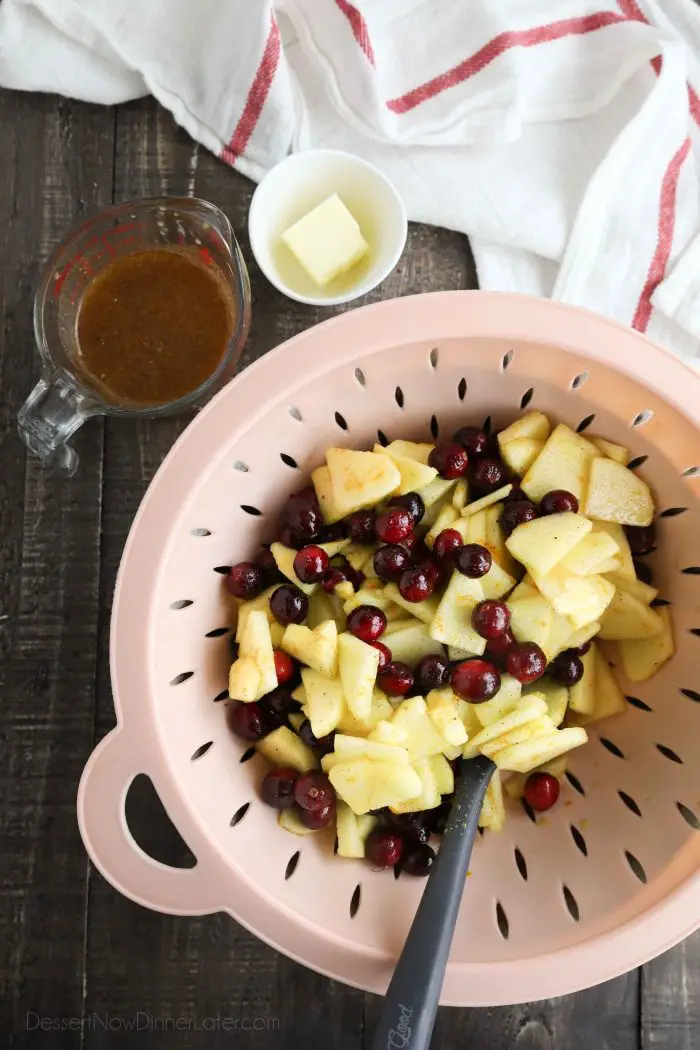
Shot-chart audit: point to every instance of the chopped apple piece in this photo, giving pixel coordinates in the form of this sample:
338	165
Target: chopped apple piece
591	554
525	589
531	619
520	453
452	622
370	593
330	508
351	747
288	819
357	666
387	733
321	608
296	719
532	730
617	452
624	553
419	451
582	696
557	699
496	582
244	680
460	494
366	786
325	701
582	599
495	541
487	501
558	638
541	544
412	642
284	559
476	528
609	699
467	712
628	618
352	831
358	554
616	493
259	604
434	493
424	610
318	648
429	796
563	463
414	475
506	700
444	714
530	707
642	659
282	747
446	516
523	758
423	738
515	784
256	642
359	479
637	588
493	812
444	776
531	425
380	711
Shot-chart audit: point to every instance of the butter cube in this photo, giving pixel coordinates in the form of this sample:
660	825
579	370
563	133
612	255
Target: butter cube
327	241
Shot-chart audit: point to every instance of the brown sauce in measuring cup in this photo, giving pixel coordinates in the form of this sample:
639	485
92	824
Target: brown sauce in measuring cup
153	326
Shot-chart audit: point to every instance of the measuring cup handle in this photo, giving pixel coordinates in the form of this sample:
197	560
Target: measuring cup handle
48	417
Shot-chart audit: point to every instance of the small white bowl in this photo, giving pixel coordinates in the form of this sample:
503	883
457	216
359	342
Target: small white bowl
295	186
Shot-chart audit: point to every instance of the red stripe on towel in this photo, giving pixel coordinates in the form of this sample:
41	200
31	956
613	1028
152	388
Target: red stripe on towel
257	97
359	28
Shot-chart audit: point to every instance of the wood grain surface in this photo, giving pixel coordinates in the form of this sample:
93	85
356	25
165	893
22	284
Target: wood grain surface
72	949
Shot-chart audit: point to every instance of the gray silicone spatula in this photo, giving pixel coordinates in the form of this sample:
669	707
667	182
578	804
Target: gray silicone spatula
413	995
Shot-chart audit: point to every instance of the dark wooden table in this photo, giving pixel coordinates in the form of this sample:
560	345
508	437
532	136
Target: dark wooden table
109	973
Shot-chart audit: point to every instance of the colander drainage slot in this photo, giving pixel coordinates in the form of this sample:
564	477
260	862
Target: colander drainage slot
636	866
669	753
691	570
642	417
180	678
520	863
181	603
486	425
691	694
636	702
291	865
502	921
218	632
462	389
255	512
571	903
295	413
289	460
639	461
341	421
247	755
630	803
611	747
579	839
507	359
579	380
201	750
672	512
224	570
355	900
382	438
433	356
434	427
585	423
527	398
688	816
240	465
575	782
239	814
360	376
529	810
691	472
223	695
200	532
695	631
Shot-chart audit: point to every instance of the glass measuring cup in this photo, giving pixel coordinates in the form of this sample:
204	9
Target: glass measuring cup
65	396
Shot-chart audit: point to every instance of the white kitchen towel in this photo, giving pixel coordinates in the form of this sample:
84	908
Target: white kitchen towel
562	138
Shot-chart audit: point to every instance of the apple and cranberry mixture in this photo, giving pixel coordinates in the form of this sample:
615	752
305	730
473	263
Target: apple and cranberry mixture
427	603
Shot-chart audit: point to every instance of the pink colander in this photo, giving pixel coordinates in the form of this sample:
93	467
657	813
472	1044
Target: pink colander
600	884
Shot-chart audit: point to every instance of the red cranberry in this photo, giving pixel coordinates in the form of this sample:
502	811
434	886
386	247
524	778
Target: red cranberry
473	439
367	623
473	560
434	572
288	538
302	514
447	545
416	585
581	650
397	680
487	474
491	618
526	662
419	859
277	788
280	701
449	459
390	561
245	580
413	826
333	533
385	656
331	578
393	525
643	572
314	791
284	666
310	563
432	672
288	604
475	680
517	513
322	745
515	494
411	502
383	847
361	526
499	648
567	668
559	501
268	566
541	791
355	577
416	547
250	721
315	819
641	538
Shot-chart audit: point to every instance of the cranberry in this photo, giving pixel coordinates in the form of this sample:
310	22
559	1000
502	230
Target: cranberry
268	566
419	859
333	533
355	577
499	648
473	439
383	847
288	604
314	791
435	572
416	547
250	721
367	623
643	572
393	525
432	672
487	474
517	513
411	502
449	459
567	668
491	618
559	501
310	563
416	585
397	679
302	514
526	662
475	680
245	580
473	560
284	667
641	538
385	656
447	545
288	538
581	650
390	561
315	819
280	701
331	578
277	788
541	791
322	745
361	526
413	825
515	494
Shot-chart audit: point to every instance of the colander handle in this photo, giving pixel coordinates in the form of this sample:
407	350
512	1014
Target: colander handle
109	772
